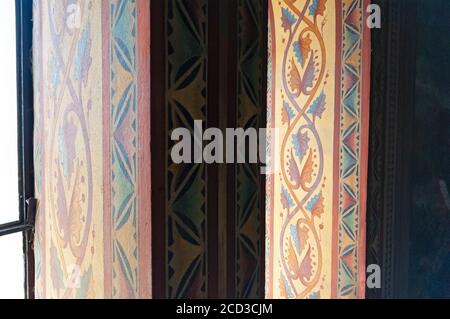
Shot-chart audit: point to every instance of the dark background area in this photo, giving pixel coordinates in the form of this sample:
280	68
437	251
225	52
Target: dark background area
408	209
429	274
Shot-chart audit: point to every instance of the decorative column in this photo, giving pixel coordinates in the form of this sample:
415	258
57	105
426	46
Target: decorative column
319	71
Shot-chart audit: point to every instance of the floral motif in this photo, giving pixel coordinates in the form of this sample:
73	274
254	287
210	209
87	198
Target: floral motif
317	8
287	19
301	144
318	107
302	49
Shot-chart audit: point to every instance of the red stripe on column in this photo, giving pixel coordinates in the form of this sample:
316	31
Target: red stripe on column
144	157
365	114
42	207
337	155
271	261
106	95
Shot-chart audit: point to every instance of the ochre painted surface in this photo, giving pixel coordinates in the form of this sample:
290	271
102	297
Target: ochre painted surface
93	138
92	144
319	63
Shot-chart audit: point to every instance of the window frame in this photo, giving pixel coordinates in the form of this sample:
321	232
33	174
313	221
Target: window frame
25	124
391	119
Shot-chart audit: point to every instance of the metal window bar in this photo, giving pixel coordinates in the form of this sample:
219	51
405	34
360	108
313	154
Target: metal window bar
27	203
25	118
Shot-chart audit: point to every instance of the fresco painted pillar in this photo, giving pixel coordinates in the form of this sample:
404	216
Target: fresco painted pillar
319	71
92	148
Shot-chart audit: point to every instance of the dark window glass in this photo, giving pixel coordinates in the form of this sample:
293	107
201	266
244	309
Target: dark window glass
429	258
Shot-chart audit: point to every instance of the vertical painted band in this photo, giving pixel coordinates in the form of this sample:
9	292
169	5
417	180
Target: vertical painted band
144	157
106	89
337	152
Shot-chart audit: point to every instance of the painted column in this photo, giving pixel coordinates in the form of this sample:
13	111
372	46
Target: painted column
92	148
319	70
